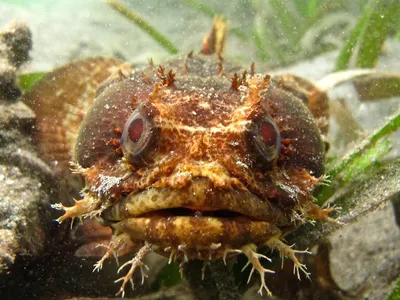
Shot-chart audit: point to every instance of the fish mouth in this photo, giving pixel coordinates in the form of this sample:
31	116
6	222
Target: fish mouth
199	199
197	218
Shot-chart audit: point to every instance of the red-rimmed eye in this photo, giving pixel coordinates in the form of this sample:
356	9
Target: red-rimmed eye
139	134
135	130
268	133
264	140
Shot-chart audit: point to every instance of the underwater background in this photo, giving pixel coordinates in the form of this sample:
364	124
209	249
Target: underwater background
311	39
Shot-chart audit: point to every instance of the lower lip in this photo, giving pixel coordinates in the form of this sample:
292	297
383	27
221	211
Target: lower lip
198	233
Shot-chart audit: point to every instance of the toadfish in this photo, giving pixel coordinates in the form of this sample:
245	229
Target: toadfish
194	159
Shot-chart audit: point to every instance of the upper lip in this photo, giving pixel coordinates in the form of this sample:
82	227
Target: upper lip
200	196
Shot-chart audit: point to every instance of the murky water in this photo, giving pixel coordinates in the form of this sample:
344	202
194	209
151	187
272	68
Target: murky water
194	118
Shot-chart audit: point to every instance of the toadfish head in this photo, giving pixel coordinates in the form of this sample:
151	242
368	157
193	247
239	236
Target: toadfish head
198	153
199	160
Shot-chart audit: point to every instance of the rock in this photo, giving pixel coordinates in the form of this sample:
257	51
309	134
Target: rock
24	199
365	256
15	44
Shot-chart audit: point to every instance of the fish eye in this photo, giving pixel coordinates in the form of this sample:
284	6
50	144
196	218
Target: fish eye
264	139
135	130
139	135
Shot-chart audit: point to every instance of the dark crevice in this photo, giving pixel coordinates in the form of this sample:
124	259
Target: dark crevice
187	212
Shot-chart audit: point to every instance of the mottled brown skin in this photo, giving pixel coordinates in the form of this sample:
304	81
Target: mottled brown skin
200	189
57	102
202	145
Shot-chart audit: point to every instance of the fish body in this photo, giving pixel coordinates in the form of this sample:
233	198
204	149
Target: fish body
194	159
